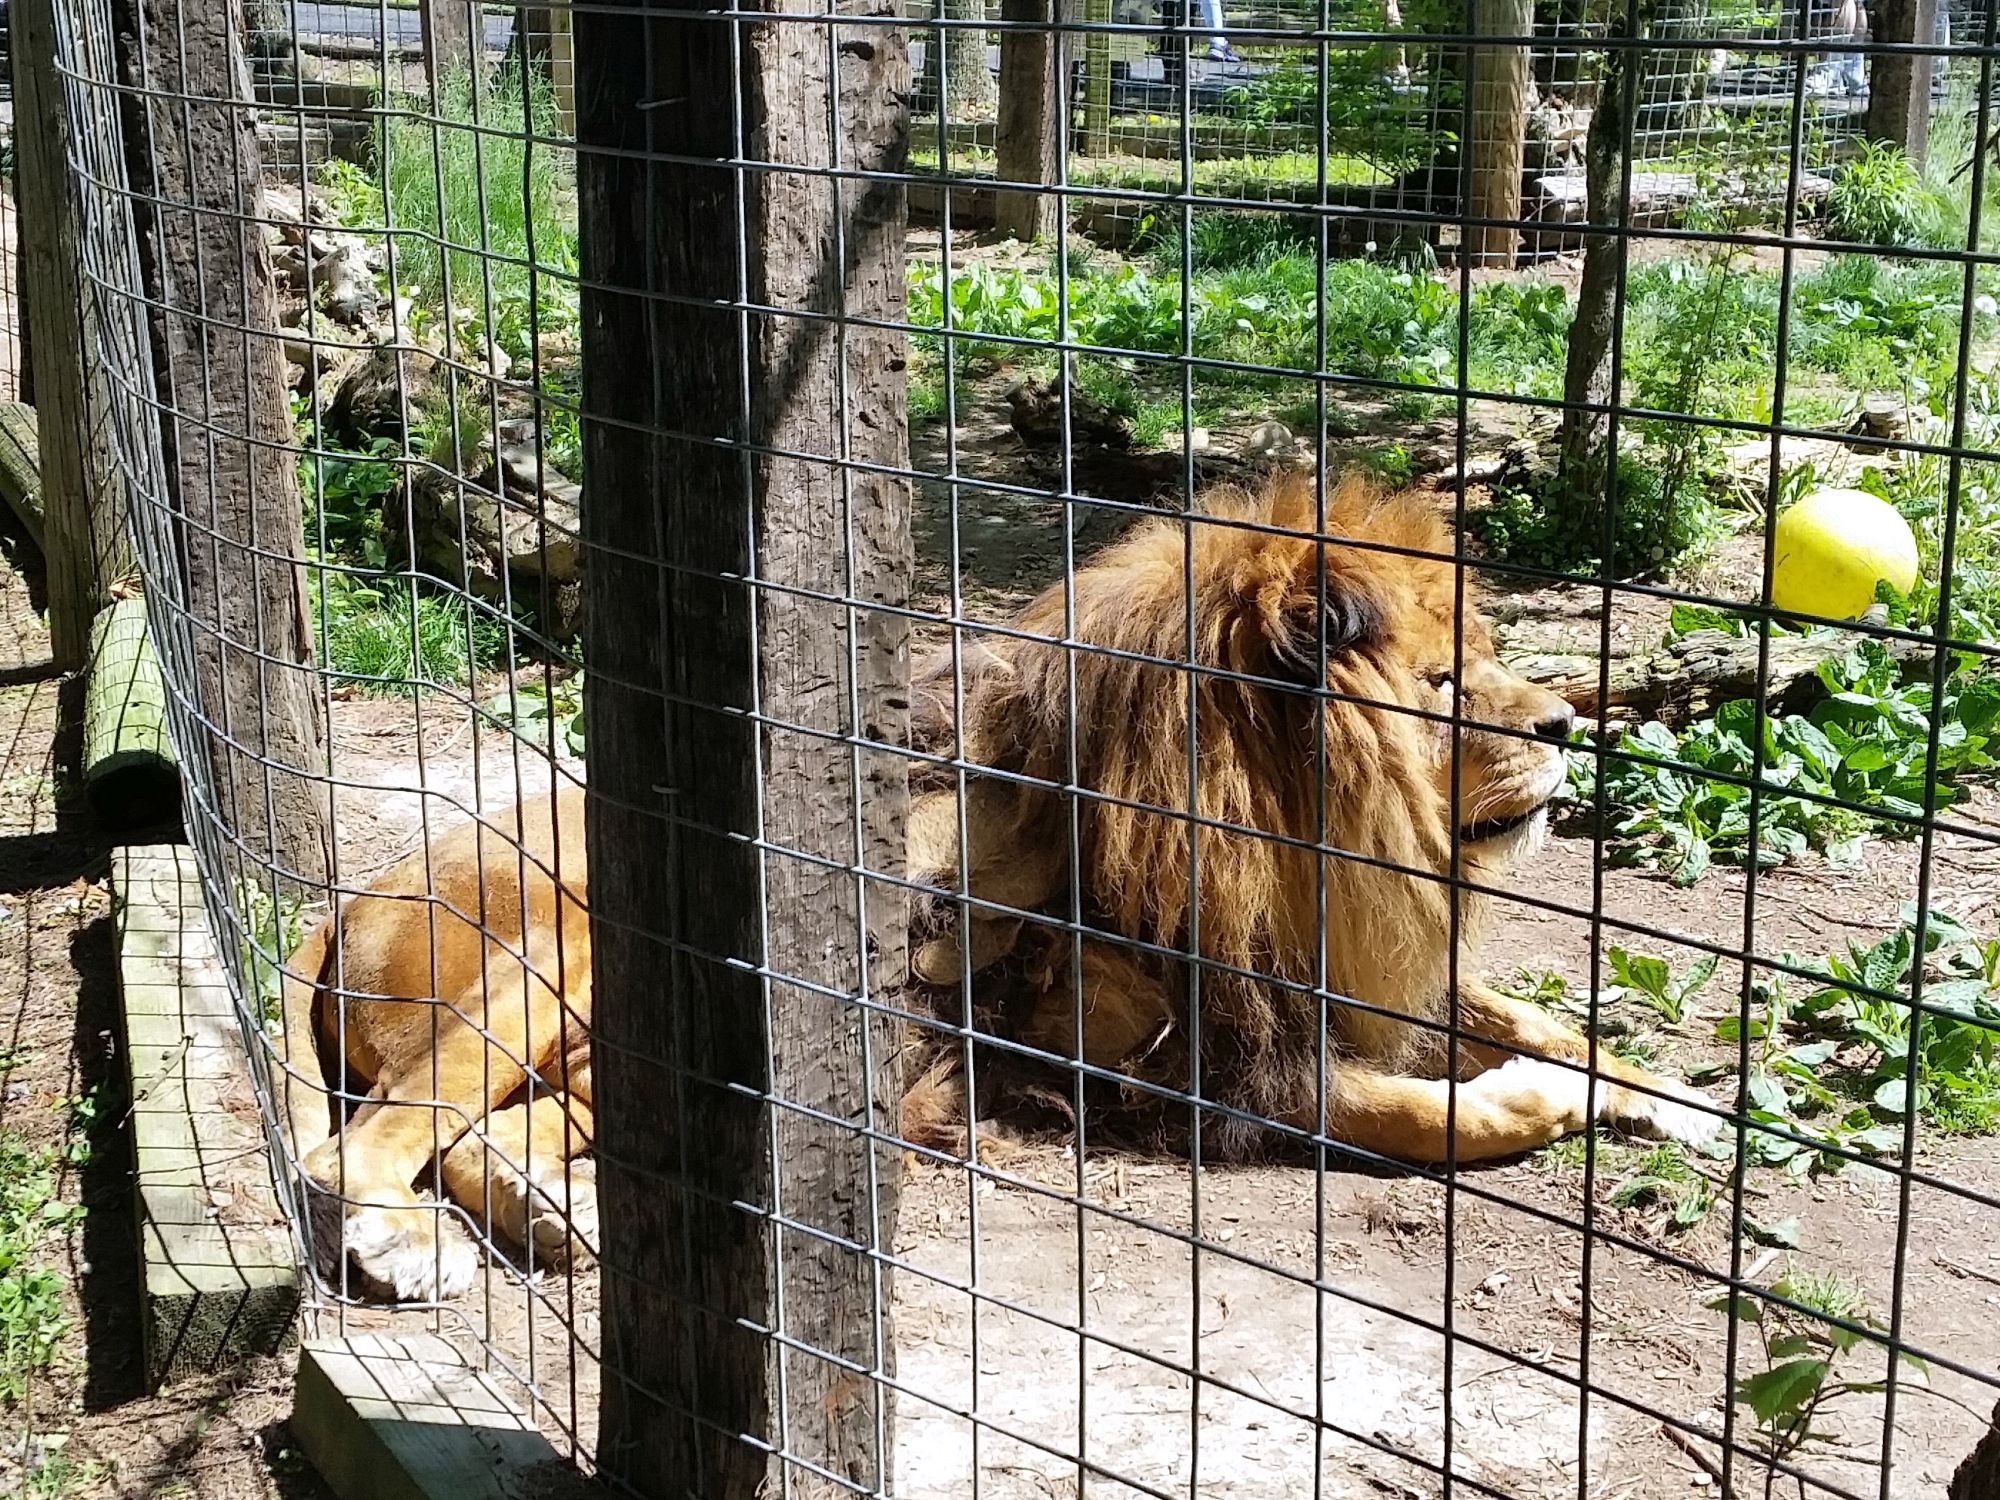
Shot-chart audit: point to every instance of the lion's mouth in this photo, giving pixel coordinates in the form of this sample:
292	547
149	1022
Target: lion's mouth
1489	829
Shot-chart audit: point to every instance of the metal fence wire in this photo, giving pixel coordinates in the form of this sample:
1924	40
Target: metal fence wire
1289	719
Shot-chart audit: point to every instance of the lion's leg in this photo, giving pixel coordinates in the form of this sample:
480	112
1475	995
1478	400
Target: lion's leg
420	1108
518	1172
1631	1098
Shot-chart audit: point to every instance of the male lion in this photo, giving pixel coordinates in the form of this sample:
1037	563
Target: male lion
1321	805
1283	763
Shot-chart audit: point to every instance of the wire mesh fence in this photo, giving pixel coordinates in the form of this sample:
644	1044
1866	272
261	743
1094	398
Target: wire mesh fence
1252	986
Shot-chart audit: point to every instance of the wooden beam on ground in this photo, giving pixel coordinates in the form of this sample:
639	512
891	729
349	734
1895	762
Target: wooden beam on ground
84	542
1027	142
129	772
406	1418
21	467
219	1277
1500	88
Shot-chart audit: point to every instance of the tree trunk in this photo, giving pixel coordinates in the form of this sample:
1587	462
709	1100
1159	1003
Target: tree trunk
689	909
1026	137
1899	83
228	439
1589	375
968	82
1500	90
85	544
454	34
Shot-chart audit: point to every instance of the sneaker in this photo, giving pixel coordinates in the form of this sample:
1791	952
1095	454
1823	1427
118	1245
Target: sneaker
1223	53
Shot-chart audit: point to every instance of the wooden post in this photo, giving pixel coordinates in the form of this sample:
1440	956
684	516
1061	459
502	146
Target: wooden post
1097	80
686	911
454	34
1026	139
1899	83
226	432
83	525
1499	131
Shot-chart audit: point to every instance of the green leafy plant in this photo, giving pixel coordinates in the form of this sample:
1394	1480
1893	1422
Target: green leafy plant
473	203
1804	1349
348	491
1865	747
1879	198
1838	1067
389	634
541	714
1652	980
1663	1179
33	1320
269	929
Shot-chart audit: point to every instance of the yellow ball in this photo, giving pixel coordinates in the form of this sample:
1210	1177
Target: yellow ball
1833	547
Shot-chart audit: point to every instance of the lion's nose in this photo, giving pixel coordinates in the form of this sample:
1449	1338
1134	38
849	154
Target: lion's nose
1557	722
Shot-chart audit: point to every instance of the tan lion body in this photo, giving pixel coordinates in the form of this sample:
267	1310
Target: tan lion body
1288	764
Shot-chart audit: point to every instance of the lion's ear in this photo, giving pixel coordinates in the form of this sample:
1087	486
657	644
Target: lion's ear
1354	618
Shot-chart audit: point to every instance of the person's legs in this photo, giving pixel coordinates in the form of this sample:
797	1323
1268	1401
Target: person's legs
1218	40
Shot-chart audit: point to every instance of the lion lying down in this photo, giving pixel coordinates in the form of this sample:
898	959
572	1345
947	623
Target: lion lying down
1286	762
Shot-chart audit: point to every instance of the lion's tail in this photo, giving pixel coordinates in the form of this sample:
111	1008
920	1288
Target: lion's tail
304	1104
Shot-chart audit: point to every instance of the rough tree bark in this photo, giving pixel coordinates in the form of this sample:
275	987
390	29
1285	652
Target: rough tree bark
454	34
1500	92
968	81
686	909
1588	375
1899	83
1026	139
227	433
87	547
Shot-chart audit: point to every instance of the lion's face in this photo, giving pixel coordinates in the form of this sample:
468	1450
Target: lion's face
1510	755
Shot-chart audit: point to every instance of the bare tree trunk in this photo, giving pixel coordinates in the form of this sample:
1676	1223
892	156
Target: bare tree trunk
1588	376
1027	137
720	970
454	39
228	436
1899	83
1500	92
968	82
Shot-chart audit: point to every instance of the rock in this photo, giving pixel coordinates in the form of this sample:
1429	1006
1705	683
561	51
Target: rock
511	528
382	394
1036	413
1271	440
344	275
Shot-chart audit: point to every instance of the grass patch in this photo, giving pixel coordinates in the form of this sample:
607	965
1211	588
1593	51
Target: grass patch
33	1321
388	634
473	207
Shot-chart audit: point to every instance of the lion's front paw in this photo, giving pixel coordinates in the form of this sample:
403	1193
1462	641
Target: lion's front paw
1675	1113
417	1253
561	1216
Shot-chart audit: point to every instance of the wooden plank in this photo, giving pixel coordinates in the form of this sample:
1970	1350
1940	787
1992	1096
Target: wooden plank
220	1283
407	1419
21	466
